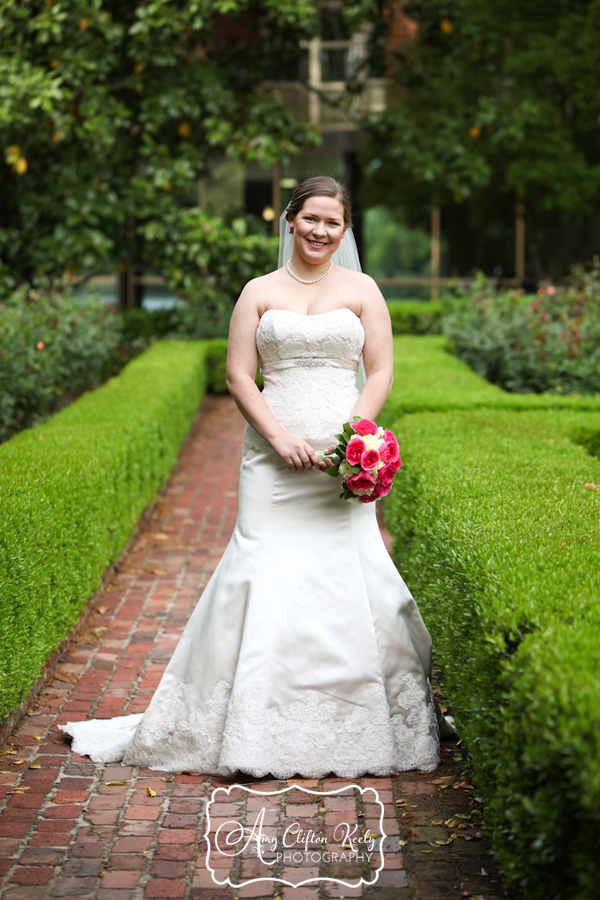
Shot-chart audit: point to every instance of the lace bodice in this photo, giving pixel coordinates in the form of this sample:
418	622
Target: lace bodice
309	368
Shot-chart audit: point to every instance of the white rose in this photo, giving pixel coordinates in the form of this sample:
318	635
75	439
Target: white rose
372	442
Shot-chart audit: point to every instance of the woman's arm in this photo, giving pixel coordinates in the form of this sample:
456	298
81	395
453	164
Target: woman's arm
242	361
378	353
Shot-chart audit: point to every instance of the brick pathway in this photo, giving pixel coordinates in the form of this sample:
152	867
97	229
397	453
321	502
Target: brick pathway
71	828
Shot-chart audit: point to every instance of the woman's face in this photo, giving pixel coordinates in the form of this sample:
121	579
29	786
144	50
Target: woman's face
318	228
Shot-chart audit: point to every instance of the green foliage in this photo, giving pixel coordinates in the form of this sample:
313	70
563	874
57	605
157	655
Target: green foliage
53	346
495	520
551	343
72	492
216	367
415	316
494	529
497	90
392	247
490	104
110	113
208	266
428	377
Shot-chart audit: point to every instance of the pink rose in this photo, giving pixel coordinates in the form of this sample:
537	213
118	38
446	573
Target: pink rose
354	450
40	345
387	472
361	481
365	426
368	498
389	450
369	459
385	480
551	290
374	495
380	491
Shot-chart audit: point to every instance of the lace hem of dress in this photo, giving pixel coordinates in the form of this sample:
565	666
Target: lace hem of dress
314	737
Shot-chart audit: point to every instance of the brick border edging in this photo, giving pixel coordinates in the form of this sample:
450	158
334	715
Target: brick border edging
9	725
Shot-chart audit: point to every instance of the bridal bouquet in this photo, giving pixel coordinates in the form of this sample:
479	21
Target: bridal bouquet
366	459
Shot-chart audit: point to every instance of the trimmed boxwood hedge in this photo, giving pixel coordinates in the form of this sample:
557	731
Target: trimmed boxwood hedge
416	316
498	537
427	376
71	493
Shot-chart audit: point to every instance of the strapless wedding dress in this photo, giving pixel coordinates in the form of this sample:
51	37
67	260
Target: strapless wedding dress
306	653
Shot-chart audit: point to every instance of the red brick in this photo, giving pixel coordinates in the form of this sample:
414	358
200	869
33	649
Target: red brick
24	892
103	816
177	836
165	889
62	812
173	851
39	856
103	802
132	844
151	813
70	796
120	879
88	849
32	875
74	887
168	868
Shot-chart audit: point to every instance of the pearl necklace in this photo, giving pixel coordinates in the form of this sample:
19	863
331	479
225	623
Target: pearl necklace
309	280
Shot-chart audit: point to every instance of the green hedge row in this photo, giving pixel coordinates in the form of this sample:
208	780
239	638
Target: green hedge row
72	491
498	537
427	377
416	316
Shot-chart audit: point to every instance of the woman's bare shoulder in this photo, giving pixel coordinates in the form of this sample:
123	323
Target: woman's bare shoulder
257	287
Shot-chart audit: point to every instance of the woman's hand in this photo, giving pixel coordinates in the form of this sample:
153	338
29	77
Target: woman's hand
329	462
296	453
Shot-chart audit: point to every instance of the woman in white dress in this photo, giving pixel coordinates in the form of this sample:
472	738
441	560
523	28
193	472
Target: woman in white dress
306	653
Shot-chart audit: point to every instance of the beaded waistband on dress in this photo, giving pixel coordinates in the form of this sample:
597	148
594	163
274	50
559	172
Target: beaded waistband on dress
308	362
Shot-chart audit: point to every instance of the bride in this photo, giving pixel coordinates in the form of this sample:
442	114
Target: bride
306	654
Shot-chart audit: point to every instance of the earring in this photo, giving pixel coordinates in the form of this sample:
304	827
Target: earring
291	230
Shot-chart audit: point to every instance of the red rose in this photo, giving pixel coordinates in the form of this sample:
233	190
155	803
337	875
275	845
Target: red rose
369	459
362	481
355	450
365	426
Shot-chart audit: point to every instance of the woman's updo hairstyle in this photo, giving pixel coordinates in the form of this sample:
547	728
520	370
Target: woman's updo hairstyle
319	186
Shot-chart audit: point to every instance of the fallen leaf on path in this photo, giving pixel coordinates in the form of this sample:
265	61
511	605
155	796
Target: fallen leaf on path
150	792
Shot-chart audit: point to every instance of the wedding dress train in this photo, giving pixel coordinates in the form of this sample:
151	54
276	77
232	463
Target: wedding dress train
306	653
